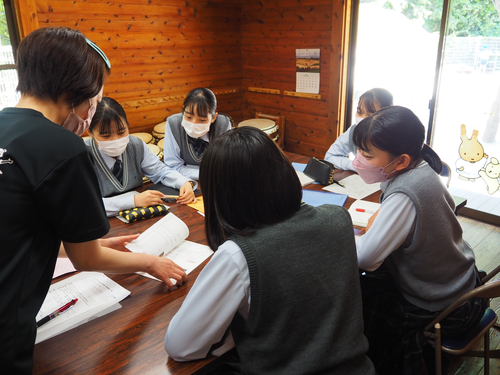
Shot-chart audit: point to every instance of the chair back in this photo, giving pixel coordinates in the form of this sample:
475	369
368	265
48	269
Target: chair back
446	174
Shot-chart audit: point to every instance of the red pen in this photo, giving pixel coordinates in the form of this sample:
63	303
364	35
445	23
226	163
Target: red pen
366	211
60	310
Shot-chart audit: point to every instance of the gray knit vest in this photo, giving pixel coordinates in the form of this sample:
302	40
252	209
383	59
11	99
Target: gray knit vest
437	266
219	126
132	173
305	313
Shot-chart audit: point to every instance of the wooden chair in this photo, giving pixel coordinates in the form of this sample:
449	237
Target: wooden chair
280	121
461	345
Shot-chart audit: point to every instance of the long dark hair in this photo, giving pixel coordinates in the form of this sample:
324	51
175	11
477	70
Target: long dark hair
109	112
247	183
58	63
396	130
203	102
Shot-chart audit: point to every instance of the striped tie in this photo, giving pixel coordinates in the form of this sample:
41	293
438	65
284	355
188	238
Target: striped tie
118	170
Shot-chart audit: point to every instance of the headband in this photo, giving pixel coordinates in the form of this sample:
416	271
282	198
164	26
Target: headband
99	51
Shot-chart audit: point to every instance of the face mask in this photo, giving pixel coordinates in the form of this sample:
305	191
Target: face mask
195	130
75	124
369	173
358	119
115	147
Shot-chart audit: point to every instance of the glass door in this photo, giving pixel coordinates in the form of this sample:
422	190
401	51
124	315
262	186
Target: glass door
467	113
396	49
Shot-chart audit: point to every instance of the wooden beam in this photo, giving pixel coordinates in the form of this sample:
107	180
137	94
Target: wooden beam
26	16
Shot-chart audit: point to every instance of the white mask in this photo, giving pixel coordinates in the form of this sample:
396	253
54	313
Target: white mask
358	119
115	147
195	130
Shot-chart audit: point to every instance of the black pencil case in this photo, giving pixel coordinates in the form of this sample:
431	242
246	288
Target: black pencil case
320	171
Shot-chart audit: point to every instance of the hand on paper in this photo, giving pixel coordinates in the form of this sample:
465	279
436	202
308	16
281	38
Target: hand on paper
118	243
371	220
186	194
164	269
148	198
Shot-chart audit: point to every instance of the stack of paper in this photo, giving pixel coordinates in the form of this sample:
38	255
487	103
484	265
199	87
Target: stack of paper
167	238
97	295
362	211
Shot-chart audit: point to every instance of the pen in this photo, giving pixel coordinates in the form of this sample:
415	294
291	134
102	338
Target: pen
60	310
170	196
366	211
338	183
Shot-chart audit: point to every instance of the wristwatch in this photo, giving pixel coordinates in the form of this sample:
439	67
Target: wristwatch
192	183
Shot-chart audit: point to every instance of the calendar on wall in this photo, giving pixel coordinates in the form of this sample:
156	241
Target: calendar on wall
308	66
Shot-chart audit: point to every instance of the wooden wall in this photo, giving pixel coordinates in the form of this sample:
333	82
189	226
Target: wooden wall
271	32
161	49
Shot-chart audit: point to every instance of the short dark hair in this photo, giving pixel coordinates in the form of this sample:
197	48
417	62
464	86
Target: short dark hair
396	130
375	99
247	183
58	63
109	113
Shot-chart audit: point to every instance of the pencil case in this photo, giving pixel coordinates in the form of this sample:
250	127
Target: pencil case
320	171
141	213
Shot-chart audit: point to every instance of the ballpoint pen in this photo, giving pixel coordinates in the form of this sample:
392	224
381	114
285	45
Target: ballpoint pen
338	183
59	311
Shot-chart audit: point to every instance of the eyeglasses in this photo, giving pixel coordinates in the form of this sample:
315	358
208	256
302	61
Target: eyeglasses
99	51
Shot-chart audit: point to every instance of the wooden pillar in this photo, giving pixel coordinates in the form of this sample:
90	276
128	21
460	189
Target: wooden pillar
341	30
26	16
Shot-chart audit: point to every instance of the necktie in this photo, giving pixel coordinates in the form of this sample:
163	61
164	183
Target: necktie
199	145
118	170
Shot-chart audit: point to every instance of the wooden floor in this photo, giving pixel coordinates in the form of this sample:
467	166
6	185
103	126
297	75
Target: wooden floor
485	240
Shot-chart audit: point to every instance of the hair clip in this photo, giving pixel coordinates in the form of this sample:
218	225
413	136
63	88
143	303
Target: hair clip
99	51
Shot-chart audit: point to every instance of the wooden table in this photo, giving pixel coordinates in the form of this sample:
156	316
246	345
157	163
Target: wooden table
130	340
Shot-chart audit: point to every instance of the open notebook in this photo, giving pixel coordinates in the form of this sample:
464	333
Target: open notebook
167	238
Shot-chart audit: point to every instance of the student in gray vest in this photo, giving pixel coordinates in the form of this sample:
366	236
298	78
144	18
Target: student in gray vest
120	161
188	135
284	279
413	250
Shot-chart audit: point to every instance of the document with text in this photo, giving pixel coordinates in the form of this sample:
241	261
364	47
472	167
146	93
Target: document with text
167	238
97	295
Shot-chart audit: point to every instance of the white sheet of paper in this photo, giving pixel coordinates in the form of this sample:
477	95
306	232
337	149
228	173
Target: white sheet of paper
188	255
161	237
355	187
63	266
96	294
361	218
304	180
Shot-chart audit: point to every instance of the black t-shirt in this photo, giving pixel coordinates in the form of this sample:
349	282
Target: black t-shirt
48	193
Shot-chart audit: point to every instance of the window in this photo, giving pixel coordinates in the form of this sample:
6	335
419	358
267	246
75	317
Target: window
9	41
399	45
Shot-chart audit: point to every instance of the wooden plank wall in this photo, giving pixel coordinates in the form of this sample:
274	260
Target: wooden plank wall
271	31
159	50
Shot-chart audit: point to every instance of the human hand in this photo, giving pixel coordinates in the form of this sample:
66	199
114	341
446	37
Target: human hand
371	220
186	194
148	198
165	269
118	243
